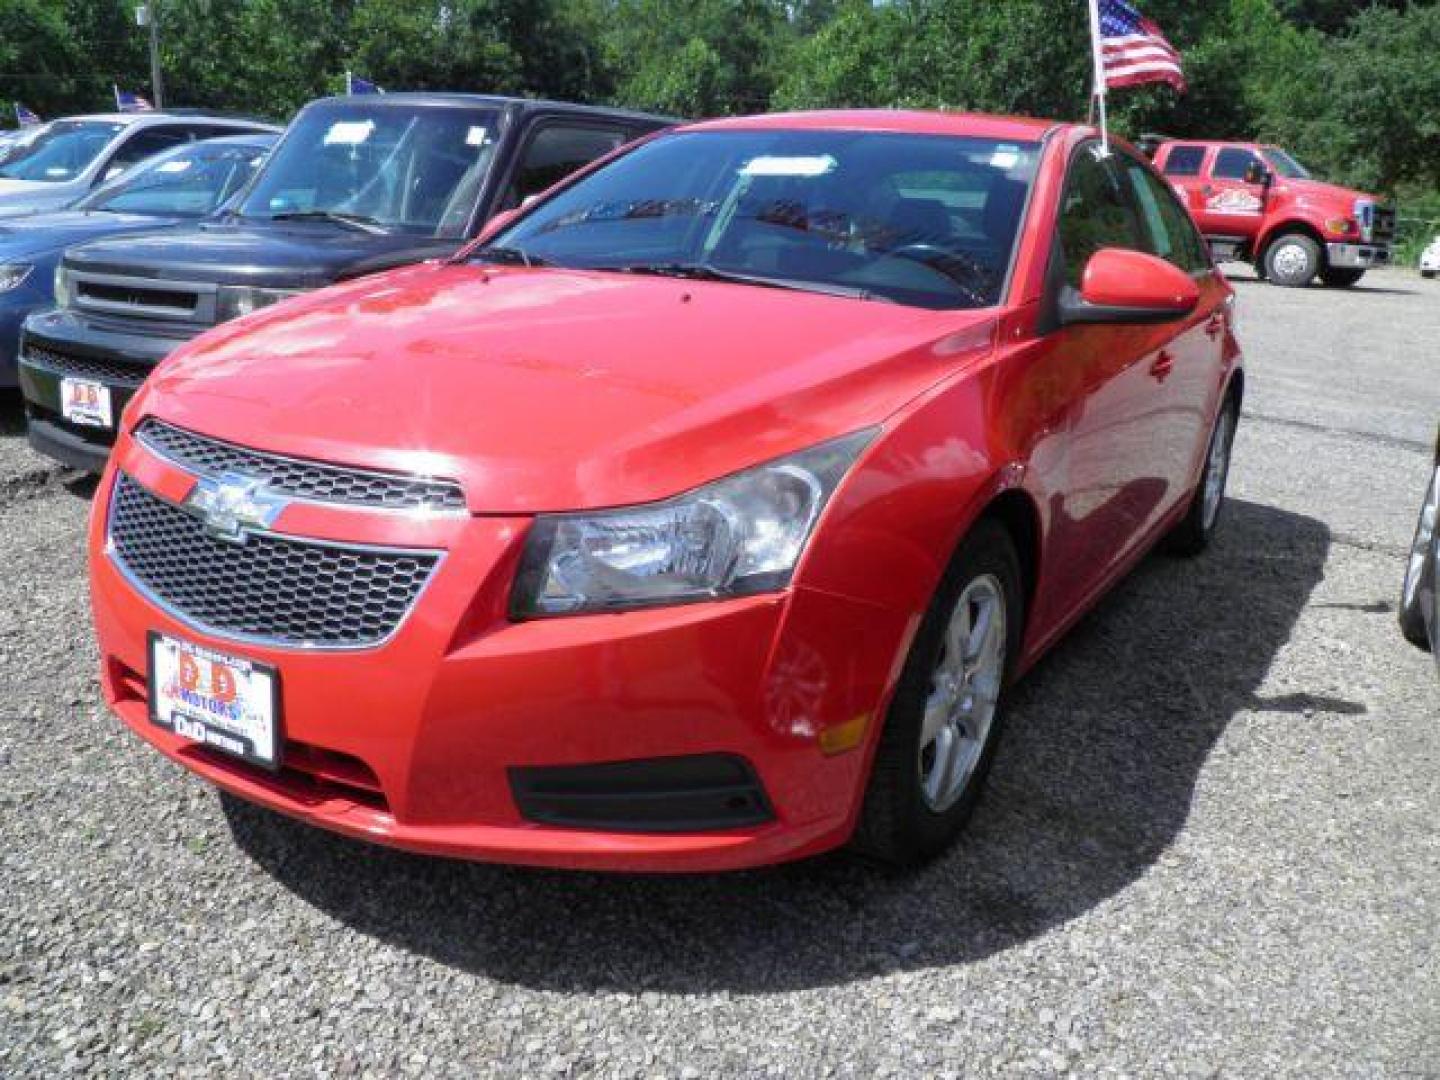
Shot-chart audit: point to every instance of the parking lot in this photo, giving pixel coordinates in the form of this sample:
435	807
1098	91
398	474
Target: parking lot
1210	844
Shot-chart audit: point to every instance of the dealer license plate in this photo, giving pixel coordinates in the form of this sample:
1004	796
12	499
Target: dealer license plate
224	702
85	402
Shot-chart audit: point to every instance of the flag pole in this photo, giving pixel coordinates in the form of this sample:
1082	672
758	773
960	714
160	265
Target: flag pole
1097	96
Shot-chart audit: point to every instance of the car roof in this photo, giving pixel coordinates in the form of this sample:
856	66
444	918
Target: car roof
159	114
898	121
498	101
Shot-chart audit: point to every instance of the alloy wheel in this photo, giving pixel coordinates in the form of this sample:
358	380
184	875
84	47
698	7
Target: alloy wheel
1217	466
965	689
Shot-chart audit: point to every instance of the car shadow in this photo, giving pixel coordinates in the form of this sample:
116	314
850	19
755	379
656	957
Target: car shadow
12	412
1094	781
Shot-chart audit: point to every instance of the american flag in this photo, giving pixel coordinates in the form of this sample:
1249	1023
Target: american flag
1133	50
126	101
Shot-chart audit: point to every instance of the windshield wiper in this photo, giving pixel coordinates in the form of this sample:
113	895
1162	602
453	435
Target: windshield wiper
704	272
510	256
354	221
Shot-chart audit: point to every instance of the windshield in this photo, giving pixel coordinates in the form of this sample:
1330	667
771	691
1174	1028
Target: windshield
415	169
916	219
62	153
1285	165
190	181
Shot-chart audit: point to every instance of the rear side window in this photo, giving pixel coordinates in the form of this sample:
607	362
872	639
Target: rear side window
1184	161
144	144
1230	164
1170	232
554	152
1096	212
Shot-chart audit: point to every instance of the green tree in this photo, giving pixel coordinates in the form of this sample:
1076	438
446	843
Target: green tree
1371	110
704	58
39	62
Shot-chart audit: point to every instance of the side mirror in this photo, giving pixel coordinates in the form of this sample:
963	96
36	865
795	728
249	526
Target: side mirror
1121	286
1255	173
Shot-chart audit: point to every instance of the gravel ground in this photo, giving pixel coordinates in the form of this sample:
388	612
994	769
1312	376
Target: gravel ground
1210	847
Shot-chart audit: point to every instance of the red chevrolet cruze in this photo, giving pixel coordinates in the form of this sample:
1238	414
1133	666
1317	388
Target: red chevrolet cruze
698	519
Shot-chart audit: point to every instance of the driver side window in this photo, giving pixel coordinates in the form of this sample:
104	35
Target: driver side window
1095	212
138	147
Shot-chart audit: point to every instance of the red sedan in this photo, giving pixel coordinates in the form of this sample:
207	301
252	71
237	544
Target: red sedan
700	518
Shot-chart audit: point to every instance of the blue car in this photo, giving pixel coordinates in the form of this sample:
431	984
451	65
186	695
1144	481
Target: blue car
173	188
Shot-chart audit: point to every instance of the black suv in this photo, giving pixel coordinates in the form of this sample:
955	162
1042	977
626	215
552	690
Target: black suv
355	185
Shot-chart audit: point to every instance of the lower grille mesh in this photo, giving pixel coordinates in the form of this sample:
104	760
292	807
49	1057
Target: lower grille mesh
272	588
86	367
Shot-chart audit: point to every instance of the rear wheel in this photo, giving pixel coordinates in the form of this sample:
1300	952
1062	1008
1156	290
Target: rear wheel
1193	534
1420	569
942	727
1292	259
1341	277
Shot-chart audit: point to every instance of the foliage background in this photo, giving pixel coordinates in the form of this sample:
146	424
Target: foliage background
1352	88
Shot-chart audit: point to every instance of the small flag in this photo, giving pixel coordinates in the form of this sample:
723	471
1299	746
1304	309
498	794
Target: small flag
24	117
356	85
125	101
1134	50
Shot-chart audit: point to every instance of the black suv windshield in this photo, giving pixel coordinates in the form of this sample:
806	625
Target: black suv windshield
400	168
189	181
923	220
61	153
1285	165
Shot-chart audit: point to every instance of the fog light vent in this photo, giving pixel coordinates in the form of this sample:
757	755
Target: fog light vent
698	793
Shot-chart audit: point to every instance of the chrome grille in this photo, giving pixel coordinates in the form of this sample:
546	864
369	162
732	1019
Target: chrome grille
311	480
270	588
86	367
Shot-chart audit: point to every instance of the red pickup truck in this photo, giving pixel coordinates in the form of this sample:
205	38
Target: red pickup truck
1257	204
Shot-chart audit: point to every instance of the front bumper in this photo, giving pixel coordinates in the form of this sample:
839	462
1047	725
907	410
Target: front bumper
58	344
420	742
1356	256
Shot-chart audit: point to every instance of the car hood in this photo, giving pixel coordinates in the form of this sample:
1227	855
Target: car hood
1317	191
26	196
280	255
51	231
9	186
555	389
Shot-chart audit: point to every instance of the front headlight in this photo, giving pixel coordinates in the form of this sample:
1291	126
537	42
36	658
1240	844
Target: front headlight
234	301
64	288
13	275
743	534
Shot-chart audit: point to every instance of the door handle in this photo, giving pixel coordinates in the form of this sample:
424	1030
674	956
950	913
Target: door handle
1162	366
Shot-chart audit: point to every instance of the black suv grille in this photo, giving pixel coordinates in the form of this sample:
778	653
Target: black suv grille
1383	231
302	479
273	588
86	367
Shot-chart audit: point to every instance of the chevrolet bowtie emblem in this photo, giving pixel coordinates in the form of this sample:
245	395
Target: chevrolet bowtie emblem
233	504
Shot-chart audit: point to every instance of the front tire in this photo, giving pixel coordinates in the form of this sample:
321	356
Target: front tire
1341	277
1292	260
1419	584
1193	534
944	722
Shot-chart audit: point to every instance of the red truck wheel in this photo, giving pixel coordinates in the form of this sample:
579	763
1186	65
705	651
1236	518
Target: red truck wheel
1292	259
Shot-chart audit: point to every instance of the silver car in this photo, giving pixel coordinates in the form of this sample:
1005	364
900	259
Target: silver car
75	155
